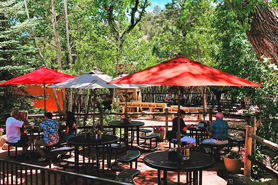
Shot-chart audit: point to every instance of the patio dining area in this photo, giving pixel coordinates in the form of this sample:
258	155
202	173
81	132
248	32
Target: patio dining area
147	175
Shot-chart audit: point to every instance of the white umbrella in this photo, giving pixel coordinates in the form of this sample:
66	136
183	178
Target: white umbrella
94	80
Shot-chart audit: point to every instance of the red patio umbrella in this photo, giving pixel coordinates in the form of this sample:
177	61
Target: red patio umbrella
39	76
181	71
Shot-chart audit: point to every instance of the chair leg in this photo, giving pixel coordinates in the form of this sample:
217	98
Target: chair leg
136	164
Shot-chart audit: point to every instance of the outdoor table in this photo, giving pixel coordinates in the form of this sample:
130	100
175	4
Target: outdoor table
194	166
118	124
104	142
36	131
199	133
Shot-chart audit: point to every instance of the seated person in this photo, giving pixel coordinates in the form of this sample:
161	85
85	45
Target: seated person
13	126
67	131
168	97
189	140
51	136
218	132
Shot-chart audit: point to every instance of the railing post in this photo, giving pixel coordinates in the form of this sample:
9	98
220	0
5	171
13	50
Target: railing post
101	118
166	119
255	132
248	151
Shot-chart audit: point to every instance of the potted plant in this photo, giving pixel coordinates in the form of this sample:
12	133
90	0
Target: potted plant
161	132
1	131
233	161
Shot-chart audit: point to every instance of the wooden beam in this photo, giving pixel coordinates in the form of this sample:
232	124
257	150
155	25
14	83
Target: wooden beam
248	151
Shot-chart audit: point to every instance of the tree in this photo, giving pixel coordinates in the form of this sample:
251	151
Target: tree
16	53
259	18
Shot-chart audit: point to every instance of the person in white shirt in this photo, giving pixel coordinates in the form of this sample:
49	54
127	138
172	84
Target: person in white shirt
13	126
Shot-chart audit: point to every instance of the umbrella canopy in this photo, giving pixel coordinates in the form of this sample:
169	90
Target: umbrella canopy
181	71
92	80
39	76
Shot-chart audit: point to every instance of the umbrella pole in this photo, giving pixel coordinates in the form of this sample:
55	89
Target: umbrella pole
94	108
126	103
44	97
204	104
179	126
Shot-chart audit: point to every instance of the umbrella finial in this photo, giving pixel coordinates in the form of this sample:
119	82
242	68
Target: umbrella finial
95	68
179	54
43	66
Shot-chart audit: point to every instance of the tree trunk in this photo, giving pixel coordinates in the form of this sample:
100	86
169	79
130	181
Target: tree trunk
263	32
57	101
56	36
32	34
57	49
69	53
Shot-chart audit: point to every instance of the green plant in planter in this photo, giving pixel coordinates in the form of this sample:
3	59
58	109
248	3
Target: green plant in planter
234	155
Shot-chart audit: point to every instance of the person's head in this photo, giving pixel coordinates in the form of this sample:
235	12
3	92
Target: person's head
218	115
16	114
47	115
182	113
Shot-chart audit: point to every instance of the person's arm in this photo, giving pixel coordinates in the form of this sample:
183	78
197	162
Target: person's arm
24	118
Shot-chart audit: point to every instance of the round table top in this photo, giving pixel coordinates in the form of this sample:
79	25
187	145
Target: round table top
81	141
196	128
131	124
197	161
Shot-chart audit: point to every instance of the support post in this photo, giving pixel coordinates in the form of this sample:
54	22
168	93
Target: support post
255	131
248	151
166	119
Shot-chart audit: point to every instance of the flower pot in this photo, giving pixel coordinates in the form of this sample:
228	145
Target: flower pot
232	165
1	133
161	134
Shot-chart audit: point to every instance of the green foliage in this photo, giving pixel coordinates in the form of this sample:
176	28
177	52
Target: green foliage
16	54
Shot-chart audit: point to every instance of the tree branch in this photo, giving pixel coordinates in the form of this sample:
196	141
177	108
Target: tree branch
110	19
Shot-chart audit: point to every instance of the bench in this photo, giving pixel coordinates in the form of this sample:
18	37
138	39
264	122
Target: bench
150	137
118	148
132	155
16	145
238	140
173	141
216	149
140	105
127	175
57	153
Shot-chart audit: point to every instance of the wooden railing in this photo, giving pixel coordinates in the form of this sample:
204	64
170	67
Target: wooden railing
250	136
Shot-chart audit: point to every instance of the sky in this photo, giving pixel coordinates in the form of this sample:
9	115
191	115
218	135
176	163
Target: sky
160	3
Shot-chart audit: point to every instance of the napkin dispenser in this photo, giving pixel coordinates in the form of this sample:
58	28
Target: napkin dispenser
124	121
173	155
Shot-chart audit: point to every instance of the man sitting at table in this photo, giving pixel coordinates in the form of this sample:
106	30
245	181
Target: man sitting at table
189	140
218	132
51	135
13	126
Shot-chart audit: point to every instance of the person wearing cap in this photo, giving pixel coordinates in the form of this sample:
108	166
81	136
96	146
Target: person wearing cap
218	132
183	128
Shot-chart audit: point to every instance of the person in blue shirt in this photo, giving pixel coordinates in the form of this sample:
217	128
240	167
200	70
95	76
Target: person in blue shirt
51	135
218	132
